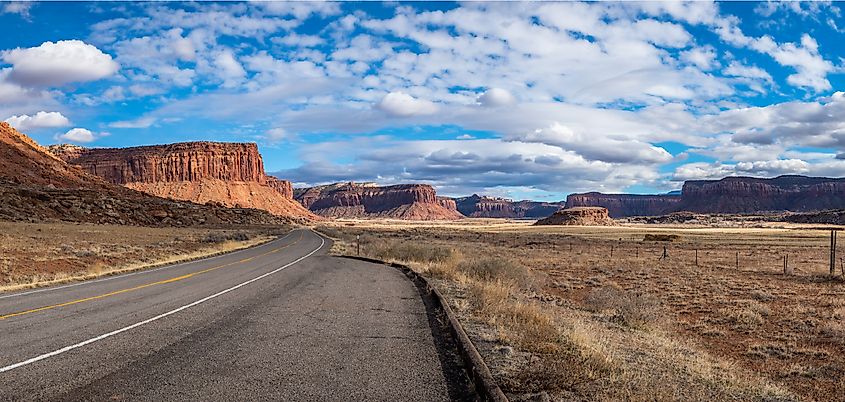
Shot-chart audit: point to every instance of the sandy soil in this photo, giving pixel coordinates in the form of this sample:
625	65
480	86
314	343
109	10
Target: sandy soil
33	254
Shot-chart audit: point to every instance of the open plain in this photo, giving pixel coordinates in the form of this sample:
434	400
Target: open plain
599	313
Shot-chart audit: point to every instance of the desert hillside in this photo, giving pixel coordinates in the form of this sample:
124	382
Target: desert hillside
229	174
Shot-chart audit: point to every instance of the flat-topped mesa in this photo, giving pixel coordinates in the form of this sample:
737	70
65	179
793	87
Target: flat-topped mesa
477	206
625	205
231	174
186	161
37	186
352	200
754	195
579	216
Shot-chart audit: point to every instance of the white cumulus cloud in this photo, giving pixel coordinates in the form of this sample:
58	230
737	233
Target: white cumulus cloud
58	63
495	97
400	104
39	120
81	135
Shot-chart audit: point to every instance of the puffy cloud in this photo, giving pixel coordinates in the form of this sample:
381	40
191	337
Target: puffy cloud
39	120
58	63
400	104
79	135
297	40
495	97
605	149
701	57
229	69
464	167
766	168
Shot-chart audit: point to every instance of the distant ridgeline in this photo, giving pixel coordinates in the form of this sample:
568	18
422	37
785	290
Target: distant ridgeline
731	195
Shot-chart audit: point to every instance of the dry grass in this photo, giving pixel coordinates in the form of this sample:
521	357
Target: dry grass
36	255
632	326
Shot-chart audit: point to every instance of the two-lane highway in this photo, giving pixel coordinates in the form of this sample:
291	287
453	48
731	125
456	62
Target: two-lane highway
281	321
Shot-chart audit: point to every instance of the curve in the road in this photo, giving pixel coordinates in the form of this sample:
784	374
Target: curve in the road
160	316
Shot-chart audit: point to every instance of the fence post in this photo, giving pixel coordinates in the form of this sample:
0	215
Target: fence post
358	243
832	252
696	257
737	260
611	251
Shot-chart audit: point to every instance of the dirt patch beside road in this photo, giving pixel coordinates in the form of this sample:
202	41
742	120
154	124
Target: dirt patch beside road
37	254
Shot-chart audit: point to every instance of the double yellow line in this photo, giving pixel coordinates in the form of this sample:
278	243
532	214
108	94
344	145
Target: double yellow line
162	282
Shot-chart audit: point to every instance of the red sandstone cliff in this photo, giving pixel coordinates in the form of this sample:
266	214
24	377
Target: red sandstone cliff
231	174
624	205
352	200
477	206
37	186
448	203
579	216
750	195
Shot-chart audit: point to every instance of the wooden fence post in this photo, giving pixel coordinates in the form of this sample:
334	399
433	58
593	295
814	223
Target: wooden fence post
832	252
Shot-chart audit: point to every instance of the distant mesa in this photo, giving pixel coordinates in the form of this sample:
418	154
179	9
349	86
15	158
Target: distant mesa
228	174
477	206
730	195
625	205
368	200
579	216
37	186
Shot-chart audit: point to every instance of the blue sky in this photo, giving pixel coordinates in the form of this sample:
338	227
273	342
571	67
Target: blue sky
524	100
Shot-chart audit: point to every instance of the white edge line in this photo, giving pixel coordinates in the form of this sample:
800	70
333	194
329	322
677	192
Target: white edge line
158	317
139	271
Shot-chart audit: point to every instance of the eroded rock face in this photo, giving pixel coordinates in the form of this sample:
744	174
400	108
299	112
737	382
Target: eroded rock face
229	174
579	216
352	200
751	195
447	203
187	161
477	206
284	187
625	205
36	186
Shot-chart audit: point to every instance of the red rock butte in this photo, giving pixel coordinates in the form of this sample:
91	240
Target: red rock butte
579	216
367	200
231	174
37	186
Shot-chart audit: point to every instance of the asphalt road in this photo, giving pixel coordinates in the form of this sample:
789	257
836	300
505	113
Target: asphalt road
282	321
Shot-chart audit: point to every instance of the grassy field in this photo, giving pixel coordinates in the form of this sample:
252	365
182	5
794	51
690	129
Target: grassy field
34	255
597	313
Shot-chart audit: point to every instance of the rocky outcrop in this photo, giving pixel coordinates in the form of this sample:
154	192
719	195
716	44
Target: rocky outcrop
625	205
477	206
37	186
754	195
366	200
231	174
448	203
284	187
579	216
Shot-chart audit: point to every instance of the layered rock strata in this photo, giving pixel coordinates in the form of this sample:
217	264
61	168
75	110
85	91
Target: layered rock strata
366	200
579	216
229	174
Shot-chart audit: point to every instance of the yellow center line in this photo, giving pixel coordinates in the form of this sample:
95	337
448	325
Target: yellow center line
117	292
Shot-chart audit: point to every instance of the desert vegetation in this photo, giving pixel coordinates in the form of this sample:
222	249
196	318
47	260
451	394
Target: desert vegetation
40	254
582	313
